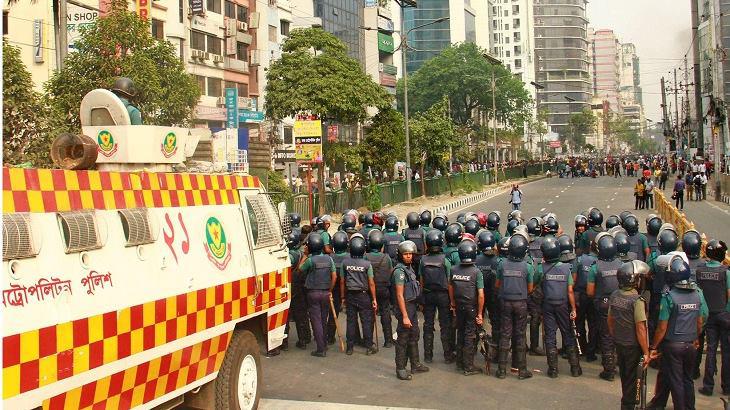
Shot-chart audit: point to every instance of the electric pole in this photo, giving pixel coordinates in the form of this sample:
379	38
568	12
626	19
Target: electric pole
676	109
665	118
688	116
700	141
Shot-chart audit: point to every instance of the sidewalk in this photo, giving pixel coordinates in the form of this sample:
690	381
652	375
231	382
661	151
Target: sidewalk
709	216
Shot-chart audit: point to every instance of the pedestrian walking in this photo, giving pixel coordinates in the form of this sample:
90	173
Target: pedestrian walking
678	192
515	197
639	194
649	193
663	178
321	275
703	185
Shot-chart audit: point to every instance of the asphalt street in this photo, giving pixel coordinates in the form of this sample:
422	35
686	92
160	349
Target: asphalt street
370	380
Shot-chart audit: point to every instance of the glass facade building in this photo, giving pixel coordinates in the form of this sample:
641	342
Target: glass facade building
427	41
343	19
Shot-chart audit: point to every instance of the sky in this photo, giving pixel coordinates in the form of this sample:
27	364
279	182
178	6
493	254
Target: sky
661	31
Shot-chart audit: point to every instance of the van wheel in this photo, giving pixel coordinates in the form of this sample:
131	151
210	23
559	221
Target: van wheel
239	378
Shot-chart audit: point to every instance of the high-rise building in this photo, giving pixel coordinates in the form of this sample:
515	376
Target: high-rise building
606	70
342	18
630	75
380	45
561	50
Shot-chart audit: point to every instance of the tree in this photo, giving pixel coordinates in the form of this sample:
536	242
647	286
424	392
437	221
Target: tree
537	127
315	75
25	125
432	133
120	44
461	73
384	142
579	125
342	156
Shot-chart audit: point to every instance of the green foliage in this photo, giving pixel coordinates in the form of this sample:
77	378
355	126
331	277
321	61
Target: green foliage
343	157
277	183
579	125
315	75
432	133
25	125
384	142
371	193
120	44
463	74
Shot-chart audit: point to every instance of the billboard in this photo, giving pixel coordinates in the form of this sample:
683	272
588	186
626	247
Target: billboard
308	149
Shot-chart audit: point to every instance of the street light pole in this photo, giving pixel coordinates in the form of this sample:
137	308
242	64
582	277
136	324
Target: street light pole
494	123
542	143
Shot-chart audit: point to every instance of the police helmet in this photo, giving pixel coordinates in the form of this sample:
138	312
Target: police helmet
323	222
467	251
425	218
631	224
623	246
581	220
368	219
502	246
413	220
315	244
612	221
606	246
453	233
124	86
391	224
517	246
493	220
472	227
292	240
623	215
482	218
439	222
567	249
348	222
378	219
461	218
339	242
534	226
692	244
667	240
617	229
516	214
547	216
486	242
406	247
629	273
550	249
653	224
434	240
357	246
376	240
678	273
716	250
551	226
595	217
511	225
295	219
523	230
361	219
314	222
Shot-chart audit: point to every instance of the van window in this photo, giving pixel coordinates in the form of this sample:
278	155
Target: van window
264	221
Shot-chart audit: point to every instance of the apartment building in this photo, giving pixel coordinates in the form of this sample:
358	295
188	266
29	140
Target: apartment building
606	67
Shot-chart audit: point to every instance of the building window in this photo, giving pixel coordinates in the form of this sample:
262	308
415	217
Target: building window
516	23
515	9
518	64
214	87
518	51
214	44
230	10
288	135
272	33
517	37
197	40
507	53
5	23
201	83
506	40
242	89
284	27
180	11
241	51
214	6
242	13
506	12
158	30
506	26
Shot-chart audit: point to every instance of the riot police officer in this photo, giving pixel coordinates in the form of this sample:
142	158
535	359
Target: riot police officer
534	302
682	314
514	282
320	279
298	306
339	253
392	237
406	290
612	220
322	228
623	247
558	306
487	261
692	246
713	278
466	291
295	220
440	222
534	228
415	234
425	218
357	289
586	320
472	227
653	224
348	225
639	242
602	282
515	215
368	224
452	235
581	225
493	220
667	241
433	272
595	220
628	325
383	268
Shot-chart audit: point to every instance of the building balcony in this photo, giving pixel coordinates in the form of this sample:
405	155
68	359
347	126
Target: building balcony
236	65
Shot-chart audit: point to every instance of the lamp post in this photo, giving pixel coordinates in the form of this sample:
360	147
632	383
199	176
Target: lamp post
542	144
494	62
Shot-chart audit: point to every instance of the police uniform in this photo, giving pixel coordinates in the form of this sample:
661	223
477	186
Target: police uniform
319	271
584	243
557	282
603	275
356	274
452	254
714	280
406	344
535	299
392	240
495	232
638	243
417	236
365	230
434	271
514	278
383	268
487	264
298	306
626	309
326	237
651	240
658	287
466	281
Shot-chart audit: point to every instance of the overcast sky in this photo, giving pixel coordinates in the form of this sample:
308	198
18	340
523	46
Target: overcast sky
661	31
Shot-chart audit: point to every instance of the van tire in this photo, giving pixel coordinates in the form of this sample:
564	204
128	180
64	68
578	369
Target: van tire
238	385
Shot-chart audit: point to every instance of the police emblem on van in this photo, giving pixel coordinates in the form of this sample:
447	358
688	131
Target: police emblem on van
216	246
169	145
107	145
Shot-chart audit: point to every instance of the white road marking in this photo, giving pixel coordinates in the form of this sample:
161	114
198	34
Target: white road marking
608	207
725	211
549	203
613	199
542	209
557	196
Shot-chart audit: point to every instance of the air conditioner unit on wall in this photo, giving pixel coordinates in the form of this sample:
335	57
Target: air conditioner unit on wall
221	100
194	54
242	26
254	57
217	58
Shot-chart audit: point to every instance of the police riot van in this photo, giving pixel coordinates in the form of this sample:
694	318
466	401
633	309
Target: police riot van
134	286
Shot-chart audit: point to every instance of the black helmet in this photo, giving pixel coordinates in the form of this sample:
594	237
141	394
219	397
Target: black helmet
425	218
461	218
550	249
631	224
551	226
692	244
612	221
339	242
606	246
357	246
486	242
413	220
391	224
595	217
667	240
716	250
653	224
581	220
511	225
467	251
315	243
629	273
517	246
295	219
502	246
434	240
314	222
493	220
567	249
369	220
623	246
348	222
125	87
361	219
516	214
472	227
292	240
439	222
378	219
678	273
323	222
376	240
534	226
406	247
623	215
453	234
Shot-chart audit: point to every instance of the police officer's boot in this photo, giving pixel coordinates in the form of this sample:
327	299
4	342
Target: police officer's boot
387	334
552	360
522	373
400	363
428	347
535	349
416	365
609	367
459	358
574	360
502	363
469	368
448	349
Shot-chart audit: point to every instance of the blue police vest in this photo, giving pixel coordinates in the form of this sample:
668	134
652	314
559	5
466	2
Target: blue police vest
683	318
434	272
555	283
606	279
514	280
321	277
464	281
356	273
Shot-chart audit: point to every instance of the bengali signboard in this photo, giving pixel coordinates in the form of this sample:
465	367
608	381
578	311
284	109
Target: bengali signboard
554	144
386	43
307	128
196	7
282	156
231	107
143	9
308	149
